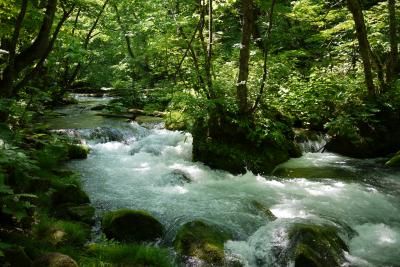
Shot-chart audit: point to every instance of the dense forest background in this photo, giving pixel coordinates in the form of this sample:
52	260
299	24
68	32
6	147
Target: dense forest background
239	75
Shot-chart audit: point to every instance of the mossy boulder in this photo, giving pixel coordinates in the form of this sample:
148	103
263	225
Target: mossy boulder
77	151
54	260
69	194
394	161
236	148
315	246
203	241
377	137
131	226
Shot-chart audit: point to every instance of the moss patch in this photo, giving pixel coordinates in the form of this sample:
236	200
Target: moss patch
126	255
77	151
202	241
131	226
394	161
315	245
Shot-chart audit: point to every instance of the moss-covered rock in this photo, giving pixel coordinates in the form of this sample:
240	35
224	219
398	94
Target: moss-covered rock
263	210
77	151
54	260
131	226
315	245
377	137
17	257
69	194
82	213
203	241
236	148
394	161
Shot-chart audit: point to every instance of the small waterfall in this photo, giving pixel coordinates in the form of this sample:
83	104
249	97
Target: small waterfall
105	134
311	142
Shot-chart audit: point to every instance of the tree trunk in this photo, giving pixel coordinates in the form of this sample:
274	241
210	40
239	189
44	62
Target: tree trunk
247	29
265	46
393	67
88	37
35	51
9	72
364	46
31	74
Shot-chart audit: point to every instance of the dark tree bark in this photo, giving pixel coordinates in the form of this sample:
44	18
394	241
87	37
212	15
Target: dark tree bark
247	29
364	46
33	52
9	72
31	74
393	67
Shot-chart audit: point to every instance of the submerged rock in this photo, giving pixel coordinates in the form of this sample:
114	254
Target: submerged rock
99	107
315	245
177	177
106	134
263	210
202	241
54	260
131	226
314	172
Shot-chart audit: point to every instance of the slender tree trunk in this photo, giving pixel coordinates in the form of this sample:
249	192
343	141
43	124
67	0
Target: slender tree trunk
393	67
247	29
124	31
210	50
364	46
86	42
65	75
266	51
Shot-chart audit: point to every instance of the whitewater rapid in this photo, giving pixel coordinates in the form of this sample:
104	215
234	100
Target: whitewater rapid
131	166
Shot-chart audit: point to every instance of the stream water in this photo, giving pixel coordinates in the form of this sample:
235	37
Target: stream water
131	166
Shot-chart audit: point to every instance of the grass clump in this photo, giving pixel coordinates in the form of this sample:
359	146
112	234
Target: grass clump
114	254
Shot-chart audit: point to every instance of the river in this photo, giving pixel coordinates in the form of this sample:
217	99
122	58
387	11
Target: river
131	166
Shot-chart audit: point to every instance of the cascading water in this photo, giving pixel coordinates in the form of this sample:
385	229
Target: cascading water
151	169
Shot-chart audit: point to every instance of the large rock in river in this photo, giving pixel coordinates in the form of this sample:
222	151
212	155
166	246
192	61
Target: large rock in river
238	146
131	226
54	260
202	241
315	246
